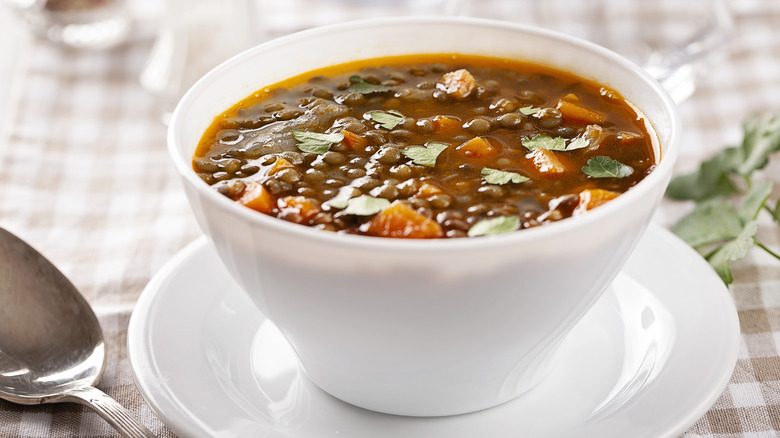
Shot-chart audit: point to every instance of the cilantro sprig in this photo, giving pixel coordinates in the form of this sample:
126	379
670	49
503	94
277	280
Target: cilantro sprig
495	225
316	142
362	86
729	198
495	176
388	120
553	144
425	155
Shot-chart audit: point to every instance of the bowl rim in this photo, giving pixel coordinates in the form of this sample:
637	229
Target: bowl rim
660	173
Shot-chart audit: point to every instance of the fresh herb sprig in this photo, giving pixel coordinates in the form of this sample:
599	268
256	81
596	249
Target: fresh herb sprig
729	198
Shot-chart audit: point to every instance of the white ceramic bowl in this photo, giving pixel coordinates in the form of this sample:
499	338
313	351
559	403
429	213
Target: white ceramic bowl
433	327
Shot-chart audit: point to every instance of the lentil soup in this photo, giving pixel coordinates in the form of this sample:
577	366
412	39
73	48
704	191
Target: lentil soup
427	146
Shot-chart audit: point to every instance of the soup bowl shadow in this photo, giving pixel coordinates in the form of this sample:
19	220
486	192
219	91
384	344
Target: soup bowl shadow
422	327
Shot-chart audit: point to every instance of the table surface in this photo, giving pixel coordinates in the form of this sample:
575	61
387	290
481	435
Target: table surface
85	178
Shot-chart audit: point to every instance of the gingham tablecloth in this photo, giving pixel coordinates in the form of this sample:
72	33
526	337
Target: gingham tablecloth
85	178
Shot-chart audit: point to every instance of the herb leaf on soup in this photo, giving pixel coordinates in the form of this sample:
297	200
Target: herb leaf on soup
544	142
496	225
388	120
315	142
362	86
425	155
577	143
365	205
529	110
605	167
495	176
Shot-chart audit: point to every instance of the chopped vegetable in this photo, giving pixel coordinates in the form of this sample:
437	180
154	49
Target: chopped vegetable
400	220
256	197
546	162
477	147
576	113
592	198
459	83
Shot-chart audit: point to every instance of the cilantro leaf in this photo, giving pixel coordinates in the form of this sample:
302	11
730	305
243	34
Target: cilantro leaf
388	120
529	110
734	249
495	176
776	212
754	201
425	155
341	200
578	143
605	167
544	142
711	179
709	222
365	205
762	137
496	225
362	86
315	142
553	144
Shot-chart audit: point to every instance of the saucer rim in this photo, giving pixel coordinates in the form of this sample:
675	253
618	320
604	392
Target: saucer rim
152	390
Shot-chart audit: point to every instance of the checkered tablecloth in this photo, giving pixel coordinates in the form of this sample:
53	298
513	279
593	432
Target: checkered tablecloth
85	178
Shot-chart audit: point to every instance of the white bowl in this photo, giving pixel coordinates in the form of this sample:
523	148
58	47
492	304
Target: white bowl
432	327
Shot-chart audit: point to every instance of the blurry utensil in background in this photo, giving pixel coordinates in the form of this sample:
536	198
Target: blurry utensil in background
666	37
82	24
51	344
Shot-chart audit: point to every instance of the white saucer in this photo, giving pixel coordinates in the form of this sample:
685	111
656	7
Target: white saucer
647	361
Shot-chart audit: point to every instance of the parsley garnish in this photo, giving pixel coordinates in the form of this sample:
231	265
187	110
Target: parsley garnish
544	142
316	143
495	176
425	155
529	110
362	86
605	167
553	144
723	224
365	205
387	120
496	225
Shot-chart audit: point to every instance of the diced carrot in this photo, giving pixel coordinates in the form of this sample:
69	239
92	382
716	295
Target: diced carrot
576	113
256	197
546	162
571	97
301	205
279	164
401	220
446	124
592	198
427	190
354	141
459	83
477	147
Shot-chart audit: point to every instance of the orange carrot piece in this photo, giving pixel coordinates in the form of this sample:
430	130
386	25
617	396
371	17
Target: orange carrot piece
354	141
303	206
592	198
576	113
459	83
546	162
446	124
256	197
402	221
477	147
279	164
427	190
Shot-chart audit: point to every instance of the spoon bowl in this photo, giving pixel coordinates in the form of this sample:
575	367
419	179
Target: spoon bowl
51	343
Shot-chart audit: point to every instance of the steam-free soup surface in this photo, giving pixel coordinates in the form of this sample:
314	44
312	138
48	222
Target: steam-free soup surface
427	146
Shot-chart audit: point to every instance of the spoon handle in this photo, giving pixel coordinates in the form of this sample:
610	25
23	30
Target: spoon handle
116	415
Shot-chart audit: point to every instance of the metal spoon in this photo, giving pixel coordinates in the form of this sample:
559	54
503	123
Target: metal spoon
51	345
